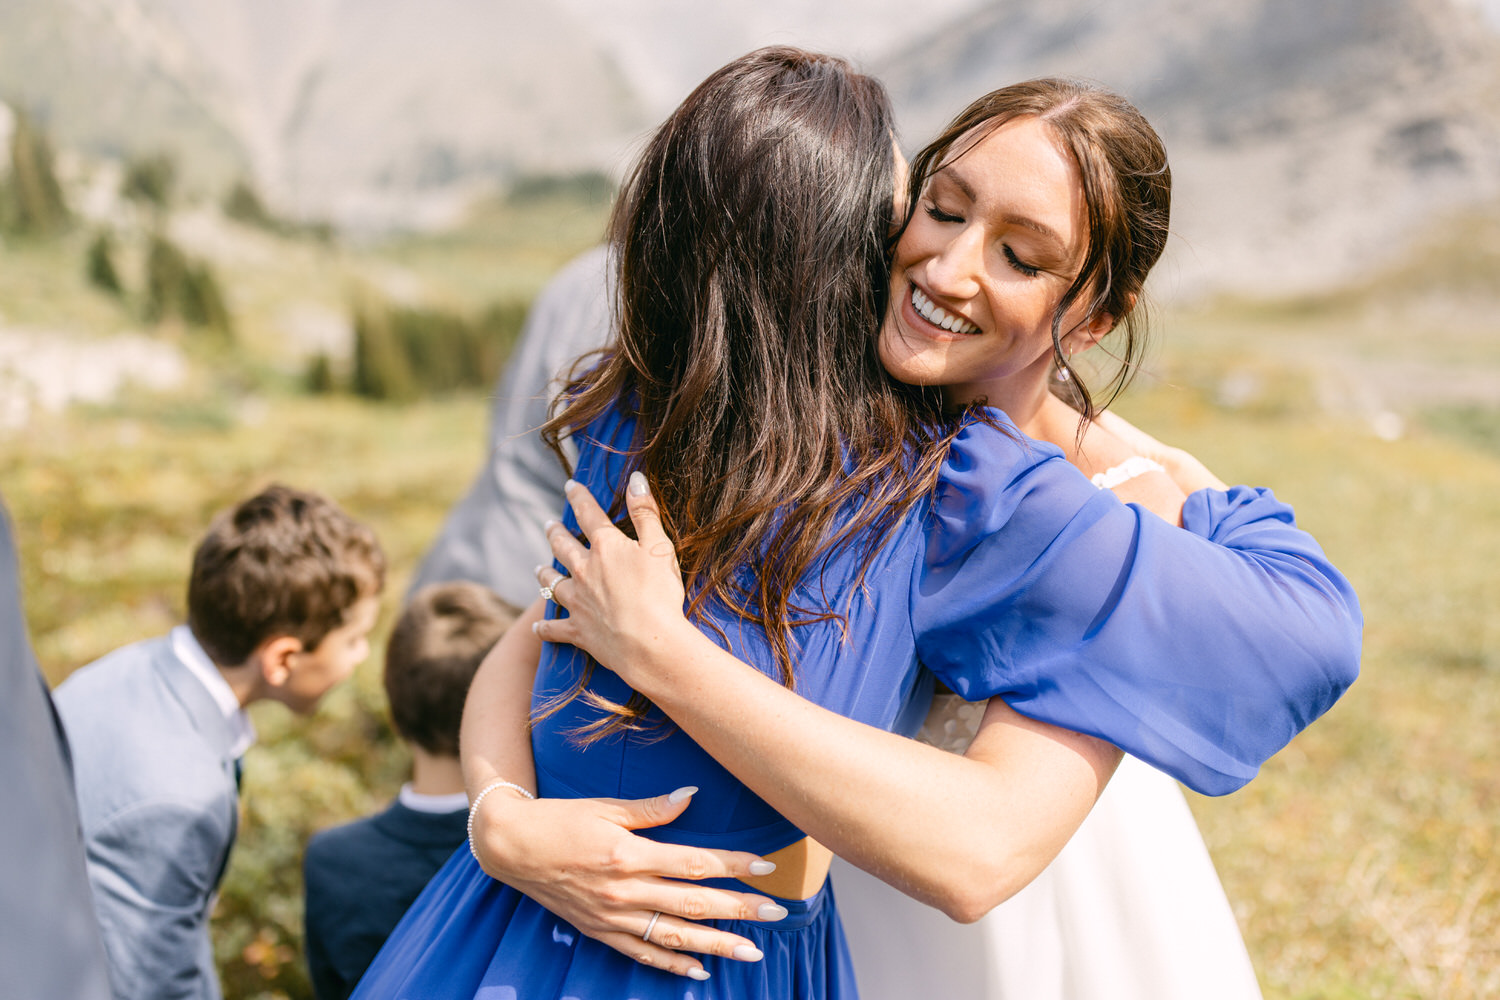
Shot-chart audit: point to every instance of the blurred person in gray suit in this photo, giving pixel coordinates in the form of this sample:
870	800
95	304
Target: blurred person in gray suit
494	534
49	941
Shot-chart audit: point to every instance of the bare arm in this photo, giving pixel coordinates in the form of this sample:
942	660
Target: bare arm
579	857
493	738
961	833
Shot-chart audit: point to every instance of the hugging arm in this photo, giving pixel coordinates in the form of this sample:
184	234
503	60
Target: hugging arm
1201	651
873	797
992	848
579	857
1203	681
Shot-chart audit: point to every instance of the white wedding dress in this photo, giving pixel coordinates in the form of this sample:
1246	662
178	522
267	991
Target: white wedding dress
1131	909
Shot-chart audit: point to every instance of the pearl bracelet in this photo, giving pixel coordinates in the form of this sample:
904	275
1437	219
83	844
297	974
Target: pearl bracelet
1135	465
474	806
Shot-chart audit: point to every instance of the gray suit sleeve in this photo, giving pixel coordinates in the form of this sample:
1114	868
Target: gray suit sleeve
494	534
49	941
154	868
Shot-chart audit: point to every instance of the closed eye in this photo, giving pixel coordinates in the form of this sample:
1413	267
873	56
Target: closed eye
938	215
1020	265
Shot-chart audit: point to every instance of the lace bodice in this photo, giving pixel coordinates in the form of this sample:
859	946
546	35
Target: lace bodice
952	723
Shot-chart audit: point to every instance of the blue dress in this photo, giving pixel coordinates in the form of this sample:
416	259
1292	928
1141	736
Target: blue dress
1016	577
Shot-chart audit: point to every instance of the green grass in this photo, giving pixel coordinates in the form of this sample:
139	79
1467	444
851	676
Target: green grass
107	509
108	501
496	254
108	506
1362	862
43	284
1359	863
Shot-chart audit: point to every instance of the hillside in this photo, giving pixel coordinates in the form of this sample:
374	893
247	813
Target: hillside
1309	141
107	81
370	112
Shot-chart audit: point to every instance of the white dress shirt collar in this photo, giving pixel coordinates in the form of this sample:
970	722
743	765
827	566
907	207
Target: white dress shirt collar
424	803
191	653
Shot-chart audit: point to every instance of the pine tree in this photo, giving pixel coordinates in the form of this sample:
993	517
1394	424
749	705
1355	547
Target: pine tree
381	368
150	180
178	286
243	204
37	206
201	302
318	379
166	271
101	265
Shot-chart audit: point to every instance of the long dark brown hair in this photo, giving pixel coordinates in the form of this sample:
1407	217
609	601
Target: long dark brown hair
1127	191
751	241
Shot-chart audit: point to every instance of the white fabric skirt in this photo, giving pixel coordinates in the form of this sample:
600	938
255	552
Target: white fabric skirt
1131	909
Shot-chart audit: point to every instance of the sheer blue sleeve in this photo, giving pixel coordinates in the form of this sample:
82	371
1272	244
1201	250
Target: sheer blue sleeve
1201	651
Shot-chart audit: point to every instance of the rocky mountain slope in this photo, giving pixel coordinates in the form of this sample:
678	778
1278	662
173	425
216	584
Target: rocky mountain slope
369	112
1309	140
362	109
107	79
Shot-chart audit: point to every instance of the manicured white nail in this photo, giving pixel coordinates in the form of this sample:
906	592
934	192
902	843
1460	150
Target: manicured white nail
570	486
762	867
685	792
698	974
637	485
771	911
747	953
548	525
536	628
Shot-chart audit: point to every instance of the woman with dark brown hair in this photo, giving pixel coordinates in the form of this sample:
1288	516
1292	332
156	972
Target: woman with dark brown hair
740	379
832	525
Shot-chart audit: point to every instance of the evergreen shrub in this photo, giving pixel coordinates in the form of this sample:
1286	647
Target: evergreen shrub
405	352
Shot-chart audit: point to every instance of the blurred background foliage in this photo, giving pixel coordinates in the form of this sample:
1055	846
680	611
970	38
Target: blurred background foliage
1362	862
381	405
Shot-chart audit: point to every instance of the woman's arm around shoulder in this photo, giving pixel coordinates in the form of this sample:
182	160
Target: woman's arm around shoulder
1202	651
960	833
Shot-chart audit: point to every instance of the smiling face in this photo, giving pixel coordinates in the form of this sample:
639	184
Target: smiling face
996	240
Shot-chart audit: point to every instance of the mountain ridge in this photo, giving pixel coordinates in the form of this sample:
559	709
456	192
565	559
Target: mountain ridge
1286	123
1308	140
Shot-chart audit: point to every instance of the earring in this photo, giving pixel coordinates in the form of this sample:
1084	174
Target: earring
1063	371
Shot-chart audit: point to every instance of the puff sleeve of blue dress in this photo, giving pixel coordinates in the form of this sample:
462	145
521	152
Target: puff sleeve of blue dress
1202	651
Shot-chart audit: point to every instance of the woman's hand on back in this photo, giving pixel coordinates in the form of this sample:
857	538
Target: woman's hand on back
581	860
1186	471
624	596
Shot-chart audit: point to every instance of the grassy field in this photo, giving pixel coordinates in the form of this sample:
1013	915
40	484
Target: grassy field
1361	864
